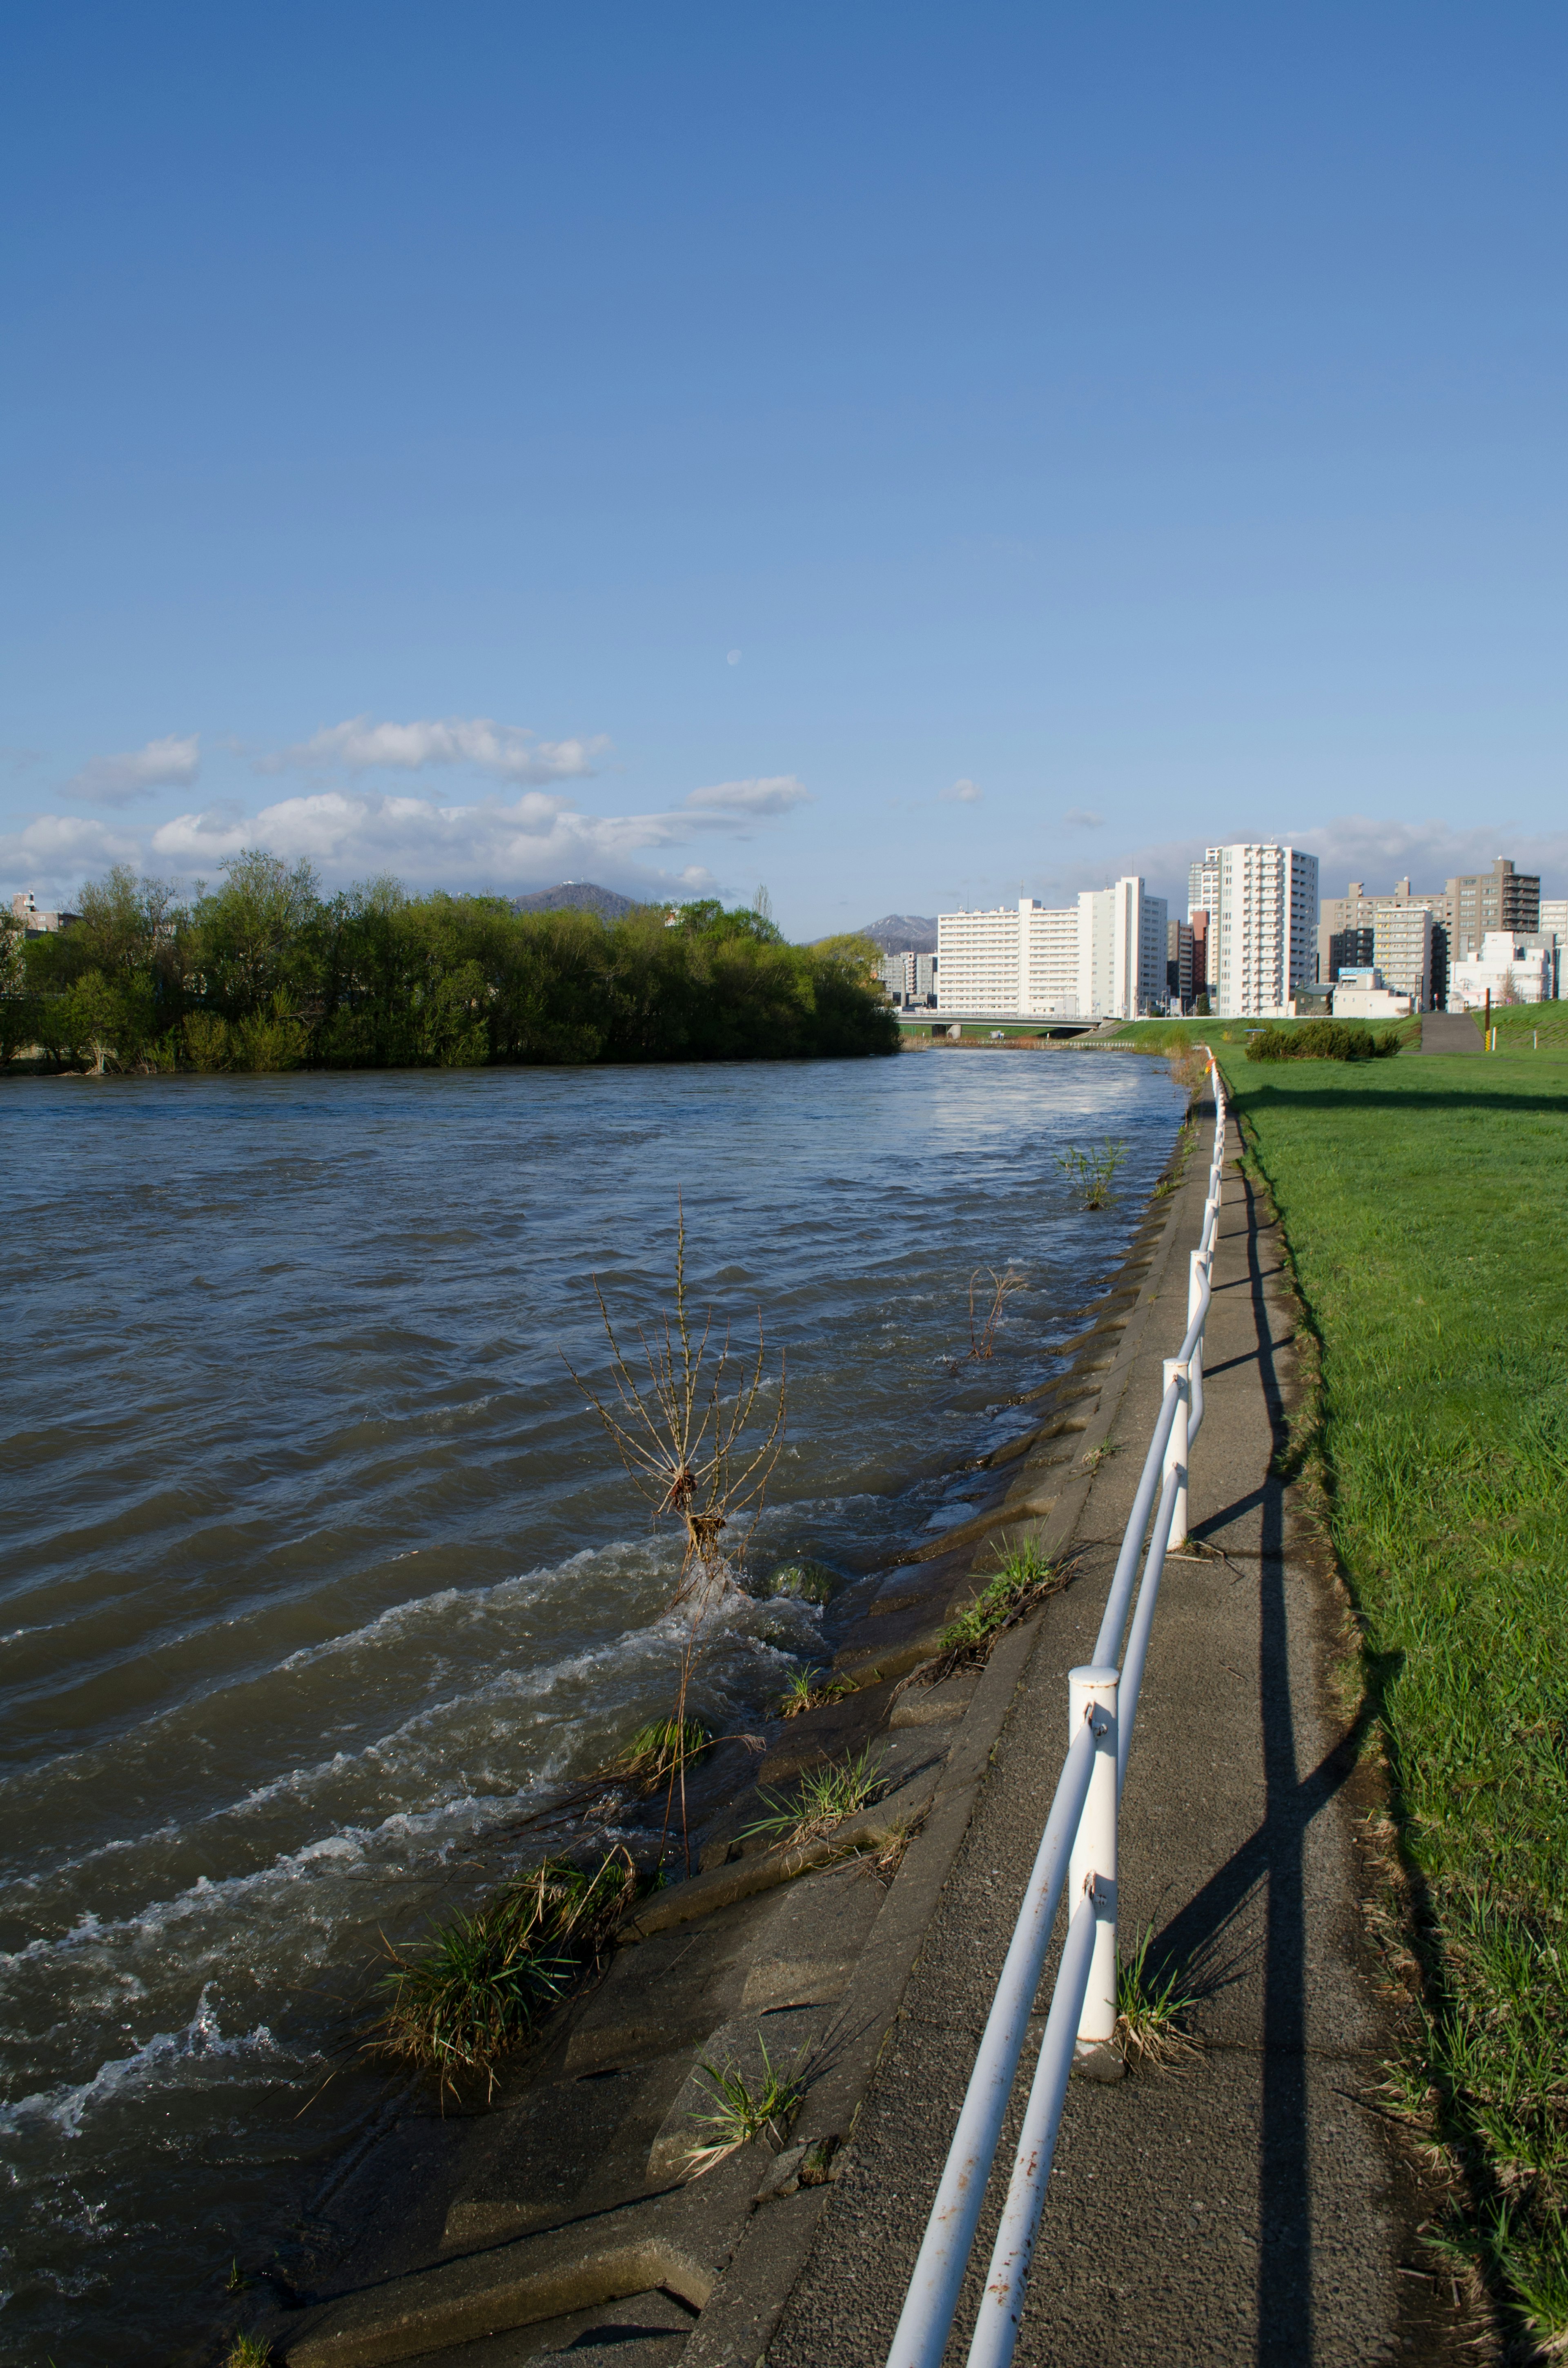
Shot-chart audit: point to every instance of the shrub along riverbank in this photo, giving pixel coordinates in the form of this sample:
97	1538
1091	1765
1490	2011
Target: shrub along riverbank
1423	1203
265	972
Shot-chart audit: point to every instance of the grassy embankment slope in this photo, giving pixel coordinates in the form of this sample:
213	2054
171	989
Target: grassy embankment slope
1424	1202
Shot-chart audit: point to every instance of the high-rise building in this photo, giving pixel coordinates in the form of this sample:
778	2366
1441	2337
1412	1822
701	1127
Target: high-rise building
1203	883
1178	965
1261	928
1554	918
1345	925
1199	923
1500	902
1104	957
1121	950
1401	949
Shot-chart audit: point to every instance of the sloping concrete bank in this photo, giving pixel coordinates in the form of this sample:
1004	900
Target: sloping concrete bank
561	2216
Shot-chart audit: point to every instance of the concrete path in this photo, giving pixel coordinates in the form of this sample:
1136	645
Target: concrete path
1450	1032
1250	2206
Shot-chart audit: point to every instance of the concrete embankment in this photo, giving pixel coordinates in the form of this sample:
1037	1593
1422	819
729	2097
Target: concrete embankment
1214	2216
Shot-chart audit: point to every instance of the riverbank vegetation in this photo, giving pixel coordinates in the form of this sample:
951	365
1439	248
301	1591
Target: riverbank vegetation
265	972
455	2003
1423	1204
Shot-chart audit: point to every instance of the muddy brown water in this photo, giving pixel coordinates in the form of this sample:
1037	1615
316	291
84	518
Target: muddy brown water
316	1575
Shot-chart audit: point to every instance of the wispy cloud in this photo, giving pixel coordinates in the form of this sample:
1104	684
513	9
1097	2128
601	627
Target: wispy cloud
506	750
963	794
1082	818
774	795
172	763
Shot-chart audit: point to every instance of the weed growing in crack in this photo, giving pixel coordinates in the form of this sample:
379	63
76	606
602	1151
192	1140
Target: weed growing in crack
743	2112
824	1796
1151	2011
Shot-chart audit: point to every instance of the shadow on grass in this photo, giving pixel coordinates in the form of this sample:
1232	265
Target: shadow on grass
1299	1455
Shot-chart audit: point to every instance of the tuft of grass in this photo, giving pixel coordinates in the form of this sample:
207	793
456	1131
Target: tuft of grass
657	1752
1422	1206
809	1688
742	2113
824	1796
248	2351
1150	2010
1093	1173
477	1984
1024	1581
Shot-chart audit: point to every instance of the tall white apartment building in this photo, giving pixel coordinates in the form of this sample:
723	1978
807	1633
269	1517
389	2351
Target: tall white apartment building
1263	927
1121	950
1103	957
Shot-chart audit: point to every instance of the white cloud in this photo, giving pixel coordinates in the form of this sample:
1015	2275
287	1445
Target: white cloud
171	763
506	845
964	794
508	750
1082	818
774	795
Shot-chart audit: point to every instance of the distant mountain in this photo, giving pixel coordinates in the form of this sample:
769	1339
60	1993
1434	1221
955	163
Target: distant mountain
903	933
577	896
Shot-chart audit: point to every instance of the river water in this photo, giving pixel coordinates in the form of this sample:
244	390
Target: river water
273	1342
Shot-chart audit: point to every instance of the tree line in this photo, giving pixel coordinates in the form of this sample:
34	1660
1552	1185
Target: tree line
266	972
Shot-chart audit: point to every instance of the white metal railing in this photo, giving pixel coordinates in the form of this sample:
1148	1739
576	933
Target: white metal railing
1077	1854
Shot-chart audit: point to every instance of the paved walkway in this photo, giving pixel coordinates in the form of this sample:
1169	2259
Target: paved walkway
1249	2208
1449	1032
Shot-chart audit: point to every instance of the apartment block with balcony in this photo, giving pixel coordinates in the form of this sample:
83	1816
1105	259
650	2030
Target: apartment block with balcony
1261	930
1402	950
1104	957
1501	902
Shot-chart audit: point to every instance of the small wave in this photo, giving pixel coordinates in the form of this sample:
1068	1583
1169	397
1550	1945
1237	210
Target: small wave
165	2051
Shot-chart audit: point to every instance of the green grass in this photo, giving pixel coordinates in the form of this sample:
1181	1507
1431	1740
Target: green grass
247	2351
1517	1024
474	1986
1022	1584
1424	1203
1150	2009
743	2111
824	1797
658	1751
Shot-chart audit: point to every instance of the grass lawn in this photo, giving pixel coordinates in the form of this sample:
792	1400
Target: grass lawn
1426	1205
1532	1029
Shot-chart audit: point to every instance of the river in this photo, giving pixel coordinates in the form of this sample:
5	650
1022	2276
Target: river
272	1341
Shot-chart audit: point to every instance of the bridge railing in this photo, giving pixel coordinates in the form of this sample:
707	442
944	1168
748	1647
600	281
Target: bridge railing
1078	1856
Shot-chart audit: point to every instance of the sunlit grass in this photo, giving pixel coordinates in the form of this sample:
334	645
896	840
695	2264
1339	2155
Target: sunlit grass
474	1986
1425	1204
824	1797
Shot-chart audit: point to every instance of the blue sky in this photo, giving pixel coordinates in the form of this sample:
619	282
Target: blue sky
903	455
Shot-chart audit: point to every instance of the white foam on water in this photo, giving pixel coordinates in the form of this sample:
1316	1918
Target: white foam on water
162	2056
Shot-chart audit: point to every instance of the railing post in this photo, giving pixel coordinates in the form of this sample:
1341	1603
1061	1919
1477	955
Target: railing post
1092	1868
1176	1452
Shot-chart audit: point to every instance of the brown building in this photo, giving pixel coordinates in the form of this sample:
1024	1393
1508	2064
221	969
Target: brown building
1499	899
1346	924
